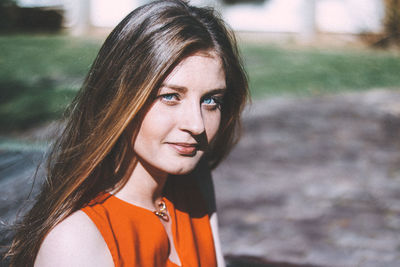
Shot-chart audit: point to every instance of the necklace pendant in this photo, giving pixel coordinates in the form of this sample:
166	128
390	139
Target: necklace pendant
161	212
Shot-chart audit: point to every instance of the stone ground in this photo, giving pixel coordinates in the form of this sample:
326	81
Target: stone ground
314	181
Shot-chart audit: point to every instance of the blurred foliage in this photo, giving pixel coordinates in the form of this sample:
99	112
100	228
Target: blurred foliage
391	23
4	3
39	75
392	18
23	19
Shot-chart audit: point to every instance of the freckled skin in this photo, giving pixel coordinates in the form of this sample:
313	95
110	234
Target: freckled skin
183	116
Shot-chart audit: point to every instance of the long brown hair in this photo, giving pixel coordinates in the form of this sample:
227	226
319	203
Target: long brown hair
94	152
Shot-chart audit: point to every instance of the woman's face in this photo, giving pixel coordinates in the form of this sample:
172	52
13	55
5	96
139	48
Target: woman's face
184	117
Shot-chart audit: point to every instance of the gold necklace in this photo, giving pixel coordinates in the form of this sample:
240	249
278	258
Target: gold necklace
161	211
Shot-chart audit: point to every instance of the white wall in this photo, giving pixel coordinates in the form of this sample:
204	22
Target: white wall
272	16
350	16
106	13
337	16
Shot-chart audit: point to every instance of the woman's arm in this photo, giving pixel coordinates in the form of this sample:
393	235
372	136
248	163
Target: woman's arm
74	242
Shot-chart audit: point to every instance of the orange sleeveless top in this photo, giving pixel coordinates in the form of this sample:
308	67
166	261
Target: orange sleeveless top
136	237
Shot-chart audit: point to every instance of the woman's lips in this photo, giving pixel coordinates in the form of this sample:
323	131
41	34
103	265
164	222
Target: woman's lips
186	149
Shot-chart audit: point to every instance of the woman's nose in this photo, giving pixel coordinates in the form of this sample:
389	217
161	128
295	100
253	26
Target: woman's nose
191	119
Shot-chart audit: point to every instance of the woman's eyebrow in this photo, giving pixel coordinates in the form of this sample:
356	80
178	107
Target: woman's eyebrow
217	91
180	89
184	89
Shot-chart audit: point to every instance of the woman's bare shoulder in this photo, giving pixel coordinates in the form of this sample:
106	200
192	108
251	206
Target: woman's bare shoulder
75	241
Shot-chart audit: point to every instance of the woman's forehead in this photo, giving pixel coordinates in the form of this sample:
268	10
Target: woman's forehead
198	70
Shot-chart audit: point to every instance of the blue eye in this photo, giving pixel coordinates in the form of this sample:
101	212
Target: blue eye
209	101
212	102
170	97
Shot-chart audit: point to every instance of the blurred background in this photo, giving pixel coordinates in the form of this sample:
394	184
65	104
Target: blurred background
315	179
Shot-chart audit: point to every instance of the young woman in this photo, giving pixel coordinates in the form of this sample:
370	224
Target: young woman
128	181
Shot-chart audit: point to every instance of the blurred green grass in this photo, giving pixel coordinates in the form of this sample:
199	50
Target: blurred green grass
273	70
39	75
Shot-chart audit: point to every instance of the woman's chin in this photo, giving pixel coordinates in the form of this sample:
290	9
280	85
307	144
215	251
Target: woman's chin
182	169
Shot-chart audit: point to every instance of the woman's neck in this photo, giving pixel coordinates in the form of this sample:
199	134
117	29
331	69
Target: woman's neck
144	187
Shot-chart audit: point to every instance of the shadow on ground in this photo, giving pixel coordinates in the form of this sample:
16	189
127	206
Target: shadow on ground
315	180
